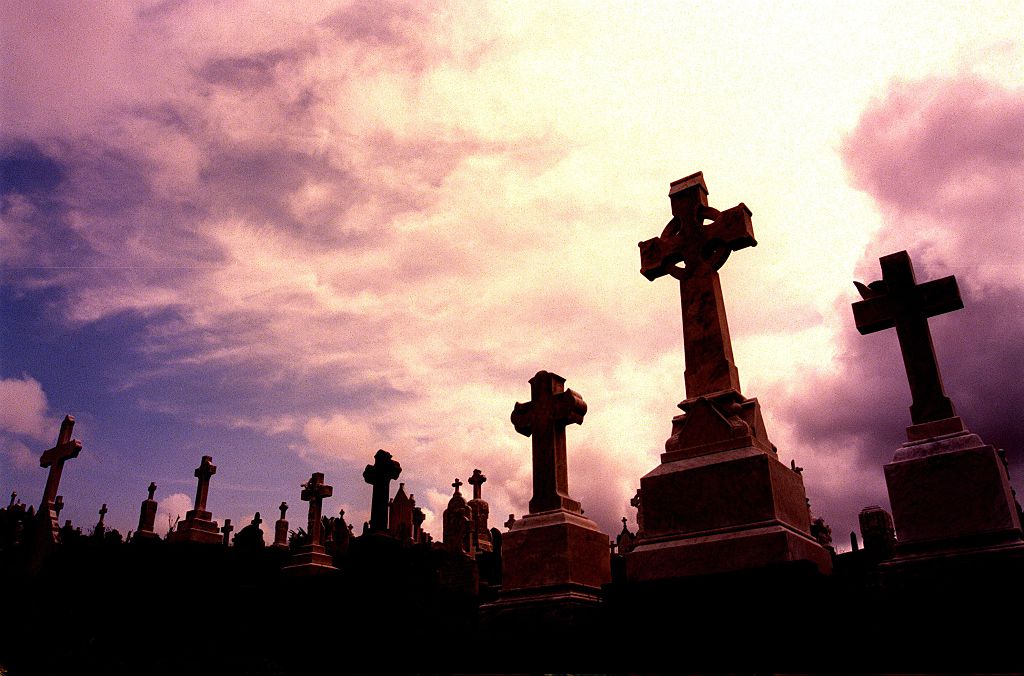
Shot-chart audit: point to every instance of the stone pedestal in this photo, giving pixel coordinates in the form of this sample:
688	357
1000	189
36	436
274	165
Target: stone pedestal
280	534
721	501
553	557
198	526
950	495
147	520
310	560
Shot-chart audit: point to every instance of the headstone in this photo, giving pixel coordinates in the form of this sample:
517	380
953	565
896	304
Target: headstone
554	557
226	531
251	536
58	506
480	532
720	501
198	525
147	516
878	531
457	520
634	502
281	529
312	558
100	528
380	474
400	516
949	491
510	521
54	458
625	540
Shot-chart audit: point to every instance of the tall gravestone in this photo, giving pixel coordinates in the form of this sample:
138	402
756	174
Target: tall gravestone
554	555
147	517
312	558
720	501
400	515
380	474
949	491
198	525
480	532
281	529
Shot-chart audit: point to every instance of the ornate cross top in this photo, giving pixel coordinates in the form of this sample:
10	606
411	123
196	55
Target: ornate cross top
103	513
897	300
205	470
283	508
544	418
55	458
702	249
380	474
314	491
476	481
457	484
152	489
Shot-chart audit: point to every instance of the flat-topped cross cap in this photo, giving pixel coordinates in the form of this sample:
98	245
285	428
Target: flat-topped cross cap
55	458
897	300
702	250
544	418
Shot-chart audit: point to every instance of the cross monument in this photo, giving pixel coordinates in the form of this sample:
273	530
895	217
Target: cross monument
55	458
380	474
314	491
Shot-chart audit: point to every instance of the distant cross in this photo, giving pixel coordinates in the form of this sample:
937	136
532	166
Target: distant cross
226	529
58	505
380	474
14	494
314	491
103	513
611	546
511	521
897	300
55	458
152	489
205	470
457	485
283	508
544	418
256	520
476	481
702	249
624	521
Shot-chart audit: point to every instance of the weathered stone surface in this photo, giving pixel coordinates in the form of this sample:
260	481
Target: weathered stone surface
552	549
480	532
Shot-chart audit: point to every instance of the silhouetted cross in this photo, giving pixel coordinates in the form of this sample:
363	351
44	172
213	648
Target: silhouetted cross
314	491
283	508
511	521
226	529
702	249
544	418
55	458
205	470
476	481
898	301
380	474
103	513
152	489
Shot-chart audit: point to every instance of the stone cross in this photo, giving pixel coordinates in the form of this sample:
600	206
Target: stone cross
702	249
55	458
103	513
476	481
511	521
544	418
14	494
380	474
256	520
457	485
283	508
205	470
897	300
152	490
226	529
314	491
58	505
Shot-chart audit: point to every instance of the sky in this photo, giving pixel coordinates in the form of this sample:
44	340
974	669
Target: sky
288	234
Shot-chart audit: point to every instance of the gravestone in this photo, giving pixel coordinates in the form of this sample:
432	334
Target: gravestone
250	538
198	526
281	529
418	517
553	558
480	532
54	459
312	557
380	474
225	530
458	574
949	490
58	506
878	531
720	501
147	516
400	515
100	527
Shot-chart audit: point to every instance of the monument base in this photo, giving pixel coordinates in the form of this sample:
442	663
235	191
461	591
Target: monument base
723	512
145	535
199	528
554	550
310	560
952	505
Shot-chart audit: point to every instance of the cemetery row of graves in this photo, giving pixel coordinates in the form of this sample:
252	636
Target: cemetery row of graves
727	566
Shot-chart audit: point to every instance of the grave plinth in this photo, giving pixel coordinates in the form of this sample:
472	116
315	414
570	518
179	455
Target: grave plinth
950	492
554	559
720	501
312	558
198	526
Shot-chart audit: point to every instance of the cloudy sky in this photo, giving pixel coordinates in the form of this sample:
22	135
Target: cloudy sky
288	234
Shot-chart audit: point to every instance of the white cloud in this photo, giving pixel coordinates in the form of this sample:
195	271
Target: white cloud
170	509
23	408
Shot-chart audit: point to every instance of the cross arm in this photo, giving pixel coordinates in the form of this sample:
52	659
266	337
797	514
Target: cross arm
570	407
64	451
522	418
732	230
874	314
940	296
